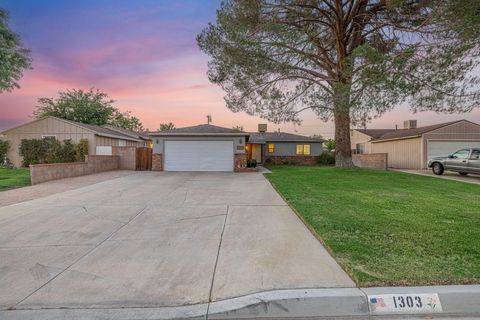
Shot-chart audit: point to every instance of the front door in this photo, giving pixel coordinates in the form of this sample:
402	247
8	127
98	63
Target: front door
257	152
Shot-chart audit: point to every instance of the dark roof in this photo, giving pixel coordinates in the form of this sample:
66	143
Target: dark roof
387	134
403	133
262	137
202	129
133	134
374	133
98	130
101	131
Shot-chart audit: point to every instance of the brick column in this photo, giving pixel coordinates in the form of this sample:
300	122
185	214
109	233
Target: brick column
157	162
240	162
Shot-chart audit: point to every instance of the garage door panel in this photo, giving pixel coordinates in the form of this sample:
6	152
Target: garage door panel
198	155
445	148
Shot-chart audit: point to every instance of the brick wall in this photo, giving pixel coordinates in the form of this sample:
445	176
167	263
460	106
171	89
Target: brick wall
157	162
296	160
377	161
127	157
93	164
240	162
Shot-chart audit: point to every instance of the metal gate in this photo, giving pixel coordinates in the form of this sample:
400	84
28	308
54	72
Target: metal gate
143	159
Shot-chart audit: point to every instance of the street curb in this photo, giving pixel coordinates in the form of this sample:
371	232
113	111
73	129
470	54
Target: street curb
298	303
338	303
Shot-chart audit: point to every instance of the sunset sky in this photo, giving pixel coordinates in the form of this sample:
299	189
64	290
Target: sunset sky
144	55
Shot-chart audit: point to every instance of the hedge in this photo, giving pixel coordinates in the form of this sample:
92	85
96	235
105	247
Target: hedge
4	146
48	150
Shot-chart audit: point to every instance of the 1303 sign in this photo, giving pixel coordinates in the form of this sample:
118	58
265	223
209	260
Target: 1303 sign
405	303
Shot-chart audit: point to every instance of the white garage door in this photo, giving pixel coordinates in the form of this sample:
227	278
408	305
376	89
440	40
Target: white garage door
445	148
198	155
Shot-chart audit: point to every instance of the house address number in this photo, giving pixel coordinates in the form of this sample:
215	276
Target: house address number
405	303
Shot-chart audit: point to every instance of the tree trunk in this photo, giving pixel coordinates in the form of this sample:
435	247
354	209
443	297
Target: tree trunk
341	114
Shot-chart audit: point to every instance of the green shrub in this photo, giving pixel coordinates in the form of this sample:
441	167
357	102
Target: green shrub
269	161
326	159
251	163
47	150
52	150
290	162
66	152
4	146
33	151
81	150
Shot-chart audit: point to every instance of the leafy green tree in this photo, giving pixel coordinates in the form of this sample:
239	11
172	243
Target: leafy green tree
166	126
347	60
90	107
127	121
330	144
14	58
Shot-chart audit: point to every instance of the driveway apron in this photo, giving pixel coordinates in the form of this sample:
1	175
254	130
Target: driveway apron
154	239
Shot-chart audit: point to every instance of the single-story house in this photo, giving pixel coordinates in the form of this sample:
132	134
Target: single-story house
198	148
282	147
412	146
100	139
211	148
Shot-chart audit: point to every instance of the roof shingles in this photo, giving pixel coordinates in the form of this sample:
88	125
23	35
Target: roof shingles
388	134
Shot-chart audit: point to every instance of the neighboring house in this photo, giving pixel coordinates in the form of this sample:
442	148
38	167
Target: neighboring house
100	139
412	146
137	135
282	147
199	148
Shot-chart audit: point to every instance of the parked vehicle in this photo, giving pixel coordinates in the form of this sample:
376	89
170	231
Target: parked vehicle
463	161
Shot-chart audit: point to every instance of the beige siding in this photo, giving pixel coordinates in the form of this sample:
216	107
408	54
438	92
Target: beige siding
404	153
358	137
40	128
114	142
461	131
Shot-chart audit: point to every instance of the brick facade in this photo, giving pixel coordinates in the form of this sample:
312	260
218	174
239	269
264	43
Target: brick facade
157	162
295	160
93	164
240	162
377	161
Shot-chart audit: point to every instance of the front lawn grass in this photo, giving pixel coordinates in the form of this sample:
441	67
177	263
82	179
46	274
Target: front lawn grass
14	178
389	228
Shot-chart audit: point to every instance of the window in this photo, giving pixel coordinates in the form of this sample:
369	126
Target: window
271	148
461	154
360	148
303	149
475	155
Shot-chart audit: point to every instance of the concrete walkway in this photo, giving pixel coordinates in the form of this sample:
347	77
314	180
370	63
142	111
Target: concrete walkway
470	178
157	240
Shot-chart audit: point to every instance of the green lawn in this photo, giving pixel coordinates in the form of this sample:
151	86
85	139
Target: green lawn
389	228
14	178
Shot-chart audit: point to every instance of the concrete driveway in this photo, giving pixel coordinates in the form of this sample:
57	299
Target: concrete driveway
449	175
154	240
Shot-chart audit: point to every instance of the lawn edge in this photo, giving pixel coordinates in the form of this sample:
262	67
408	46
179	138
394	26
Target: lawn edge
350	272
315	234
